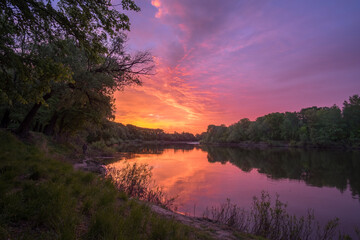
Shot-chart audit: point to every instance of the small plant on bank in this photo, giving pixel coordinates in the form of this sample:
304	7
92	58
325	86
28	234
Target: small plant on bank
136	181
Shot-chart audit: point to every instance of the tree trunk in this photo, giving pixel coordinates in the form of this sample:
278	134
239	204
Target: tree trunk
61	125
6	119
26	123
50	128
36	127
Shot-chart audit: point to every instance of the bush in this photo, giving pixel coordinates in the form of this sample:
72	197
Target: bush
136	181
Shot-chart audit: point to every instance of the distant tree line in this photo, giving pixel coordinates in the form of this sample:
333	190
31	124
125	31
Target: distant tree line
317	126
116	133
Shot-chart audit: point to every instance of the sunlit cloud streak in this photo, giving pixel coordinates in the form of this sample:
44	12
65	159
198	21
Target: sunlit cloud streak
220	61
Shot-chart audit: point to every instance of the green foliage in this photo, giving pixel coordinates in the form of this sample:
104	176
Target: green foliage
116	133
271	126
238	131
88	97
290	127
216	134
351	113
322	127
26	26
329	127
64	59
41	198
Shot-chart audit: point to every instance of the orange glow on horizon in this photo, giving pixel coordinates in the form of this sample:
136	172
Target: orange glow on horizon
165	101
166	126
210	70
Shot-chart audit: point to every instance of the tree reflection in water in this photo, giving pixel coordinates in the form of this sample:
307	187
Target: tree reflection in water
316	167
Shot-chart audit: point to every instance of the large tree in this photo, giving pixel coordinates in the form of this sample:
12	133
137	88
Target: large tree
25	25
89	97
28	27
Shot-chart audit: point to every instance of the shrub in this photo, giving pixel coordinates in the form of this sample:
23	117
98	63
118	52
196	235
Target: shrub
136	181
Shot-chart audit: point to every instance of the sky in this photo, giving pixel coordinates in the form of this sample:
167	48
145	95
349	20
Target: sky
217	62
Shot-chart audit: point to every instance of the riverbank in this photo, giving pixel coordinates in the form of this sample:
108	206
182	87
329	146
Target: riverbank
44	198
279	144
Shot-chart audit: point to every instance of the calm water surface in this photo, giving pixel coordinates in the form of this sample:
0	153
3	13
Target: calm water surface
326	181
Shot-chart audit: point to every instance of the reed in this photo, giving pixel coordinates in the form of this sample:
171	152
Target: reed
271	220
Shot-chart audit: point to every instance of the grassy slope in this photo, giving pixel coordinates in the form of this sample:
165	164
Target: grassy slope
41	198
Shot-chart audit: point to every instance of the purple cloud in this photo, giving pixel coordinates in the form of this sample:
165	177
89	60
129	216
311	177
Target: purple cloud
220	61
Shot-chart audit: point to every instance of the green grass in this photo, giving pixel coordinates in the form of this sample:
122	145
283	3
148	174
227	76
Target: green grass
42	198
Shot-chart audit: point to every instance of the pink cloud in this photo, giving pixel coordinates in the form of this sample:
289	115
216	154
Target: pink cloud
218	61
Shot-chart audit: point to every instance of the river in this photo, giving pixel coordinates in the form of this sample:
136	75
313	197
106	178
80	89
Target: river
327	181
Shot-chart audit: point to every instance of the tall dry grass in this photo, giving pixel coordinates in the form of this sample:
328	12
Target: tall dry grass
271	220
136	181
